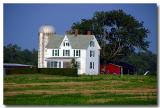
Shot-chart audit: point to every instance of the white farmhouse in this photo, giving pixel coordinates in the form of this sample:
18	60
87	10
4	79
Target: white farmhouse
57	51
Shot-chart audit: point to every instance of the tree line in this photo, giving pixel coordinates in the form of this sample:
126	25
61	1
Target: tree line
15	54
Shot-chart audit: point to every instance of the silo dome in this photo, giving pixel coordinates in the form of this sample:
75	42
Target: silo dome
46	29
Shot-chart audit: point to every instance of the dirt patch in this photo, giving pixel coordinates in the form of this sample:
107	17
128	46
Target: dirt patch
78	84
85	92
139	90
144	97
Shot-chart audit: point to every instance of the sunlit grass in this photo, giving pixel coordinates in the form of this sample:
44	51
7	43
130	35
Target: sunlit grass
39	89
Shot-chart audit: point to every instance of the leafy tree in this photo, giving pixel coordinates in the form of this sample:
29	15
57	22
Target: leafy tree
73	63
118	33
14	54
144	61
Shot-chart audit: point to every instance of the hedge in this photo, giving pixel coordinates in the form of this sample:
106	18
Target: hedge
50	71
20	71
58	71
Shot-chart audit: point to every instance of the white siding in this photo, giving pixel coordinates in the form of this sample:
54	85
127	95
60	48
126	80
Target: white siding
82	60
94	59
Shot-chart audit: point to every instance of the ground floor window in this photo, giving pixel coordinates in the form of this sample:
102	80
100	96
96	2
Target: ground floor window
91	65
53	64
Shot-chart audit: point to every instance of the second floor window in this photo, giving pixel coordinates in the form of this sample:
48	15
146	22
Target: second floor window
66	52
76	53
92	53
55	52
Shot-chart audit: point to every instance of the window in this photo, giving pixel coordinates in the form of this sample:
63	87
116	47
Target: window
92	53
51	64
59	64
48	64
55	64
79	53
76	52
91	43
55	52
52	52
66	52
63	52
91	65
66	43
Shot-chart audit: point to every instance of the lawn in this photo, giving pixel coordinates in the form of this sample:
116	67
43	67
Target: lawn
39	89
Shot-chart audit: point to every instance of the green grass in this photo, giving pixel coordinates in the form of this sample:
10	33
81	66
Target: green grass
39	89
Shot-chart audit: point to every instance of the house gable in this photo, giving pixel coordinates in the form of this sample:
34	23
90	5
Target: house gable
65	44
96	44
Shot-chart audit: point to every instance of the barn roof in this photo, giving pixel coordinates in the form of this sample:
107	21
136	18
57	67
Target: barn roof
123	64
6	65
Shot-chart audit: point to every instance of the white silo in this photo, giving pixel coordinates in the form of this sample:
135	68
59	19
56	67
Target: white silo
45	32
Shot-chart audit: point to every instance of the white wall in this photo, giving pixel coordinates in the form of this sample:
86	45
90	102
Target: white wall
82	60
94	59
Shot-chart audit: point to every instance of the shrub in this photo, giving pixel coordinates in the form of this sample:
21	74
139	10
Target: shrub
50	71
58	71
20	71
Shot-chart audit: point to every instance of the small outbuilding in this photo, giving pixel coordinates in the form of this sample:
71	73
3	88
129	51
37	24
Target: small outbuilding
117	68
7	66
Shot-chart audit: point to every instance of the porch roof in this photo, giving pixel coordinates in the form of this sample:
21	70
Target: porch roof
50	58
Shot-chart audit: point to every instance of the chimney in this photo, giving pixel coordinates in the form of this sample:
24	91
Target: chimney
76	32
88	32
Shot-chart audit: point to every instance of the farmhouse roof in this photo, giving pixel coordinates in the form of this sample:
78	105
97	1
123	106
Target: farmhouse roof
55	41
77	42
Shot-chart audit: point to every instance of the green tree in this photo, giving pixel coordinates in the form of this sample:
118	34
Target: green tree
144	61
73	63
14	54
118	33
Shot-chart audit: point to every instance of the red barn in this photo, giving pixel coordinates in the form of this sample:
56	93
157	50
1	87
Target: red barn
117	68
111	69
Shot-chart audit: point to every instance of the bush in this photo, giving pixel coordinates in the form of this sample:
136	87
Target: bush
20	71
58	71
50	71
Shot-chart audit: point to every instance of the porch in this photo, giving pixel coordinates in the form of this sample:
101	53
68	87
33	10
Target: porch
56	62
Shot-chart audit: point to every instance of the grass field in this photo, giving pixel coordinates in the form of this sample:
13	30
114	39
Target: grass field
39	89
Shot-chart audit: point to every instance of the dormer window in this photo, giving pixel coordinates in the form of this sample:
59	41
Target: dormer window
91	43
66	44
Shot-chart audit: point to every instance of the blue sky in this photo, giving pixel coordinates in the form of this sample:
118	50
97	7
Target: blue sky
22	21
